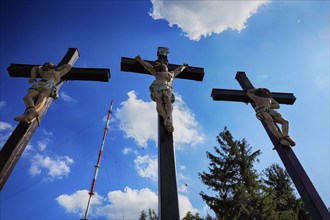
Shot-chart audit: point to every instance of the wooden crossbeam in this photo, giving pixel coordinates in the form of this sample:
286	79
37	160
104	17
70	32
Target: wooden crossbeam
89	74
192	73
240	96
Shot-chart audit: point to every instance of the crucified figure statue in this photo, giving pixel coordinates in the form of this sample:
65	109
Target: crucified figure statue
161	89
42	89
265	106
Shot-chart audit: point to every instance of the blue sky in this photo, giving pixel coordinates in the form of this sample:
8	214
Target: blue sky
281	45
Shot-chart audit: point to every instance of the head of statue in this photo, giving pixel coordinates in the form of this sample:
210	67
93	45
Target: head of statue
263	92
160	66
48	66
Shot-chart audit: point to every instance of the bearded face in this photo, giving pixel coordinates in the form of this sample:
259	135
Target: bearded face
263	92
48	66
160	66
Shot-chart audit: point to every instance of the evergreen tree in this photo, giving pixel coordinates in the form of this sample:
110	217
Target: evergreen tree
237	185
287	206
188	216
150	216
143	215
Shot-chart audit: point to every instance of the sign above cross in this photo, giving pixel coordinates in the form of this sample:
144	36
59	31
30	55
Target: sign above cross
161	93
15	145
307	191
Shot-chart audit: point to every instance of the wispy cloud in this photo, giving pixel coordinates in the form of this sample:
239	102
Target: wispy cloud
5	126
203	18
147	166
128	150
2	104
138	120
5	131
66	97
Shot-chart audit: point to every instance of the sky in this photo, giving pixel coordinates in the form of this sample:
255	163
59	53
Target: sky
281	45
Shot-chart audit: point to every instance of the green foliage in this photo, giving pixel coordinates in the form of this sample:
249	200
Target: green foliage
190	216
240	192
278	183
150	216
232	177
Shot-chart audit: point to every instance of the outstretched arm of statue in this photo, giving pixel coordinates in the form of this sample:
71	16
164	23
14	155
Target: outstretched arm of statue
33	74
64	69
250	94
179	69
146	65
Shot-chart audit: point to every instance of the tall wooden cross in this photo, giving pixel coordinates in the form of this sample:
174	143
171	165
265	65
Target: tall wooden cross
307	191
168	206
15	145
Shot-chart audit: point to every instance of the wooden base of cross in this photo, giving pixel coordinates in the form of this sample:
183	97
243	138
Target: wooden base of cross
168	204
17	142
304	186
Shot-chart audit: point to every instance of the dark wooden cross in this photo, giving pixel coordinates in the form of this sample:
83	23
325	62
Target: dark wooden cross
15	145
307	191
168	206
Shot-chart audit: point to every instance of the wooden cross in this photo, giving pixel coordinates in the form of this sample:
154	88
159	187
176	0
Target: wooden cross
15	145
307	191
168	206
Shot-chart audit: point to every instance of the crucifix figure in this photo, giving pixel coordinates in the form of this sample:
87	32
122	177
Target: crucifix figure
42	89
265	106
161	93
161	89
39	99
305	187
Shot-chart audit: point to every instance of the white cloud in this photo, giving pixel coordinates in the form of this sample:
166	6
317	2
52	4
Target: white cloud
203	18
138	120
130	201
128	150
126	204
56	168
43	144
66	97
185	206
185	125
5	131
2	104
147	166
77	202
5	126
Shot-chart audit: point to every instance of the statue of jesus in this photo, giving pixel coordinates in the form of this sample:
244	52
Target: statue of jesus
161	89
265	106
42	89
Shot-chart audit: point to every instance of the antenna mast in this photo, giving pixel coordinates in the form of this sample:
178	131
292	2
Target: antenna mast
97	166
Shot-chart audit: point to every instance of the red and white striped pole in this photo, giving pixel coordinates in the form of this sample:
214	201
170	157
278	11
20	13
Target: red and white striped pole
97	166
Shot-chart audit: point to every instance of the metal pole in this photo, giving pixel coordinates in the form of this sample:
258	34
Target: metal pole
97	166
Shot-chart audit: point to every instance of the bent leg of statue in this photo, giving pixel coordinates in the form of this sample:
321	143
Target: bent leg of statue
168	109
42	98
274	129
285	130
32	114
29	102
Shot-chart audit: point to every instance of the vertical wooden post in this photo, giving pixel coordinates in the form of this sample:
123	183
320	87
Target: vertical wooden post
168	205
